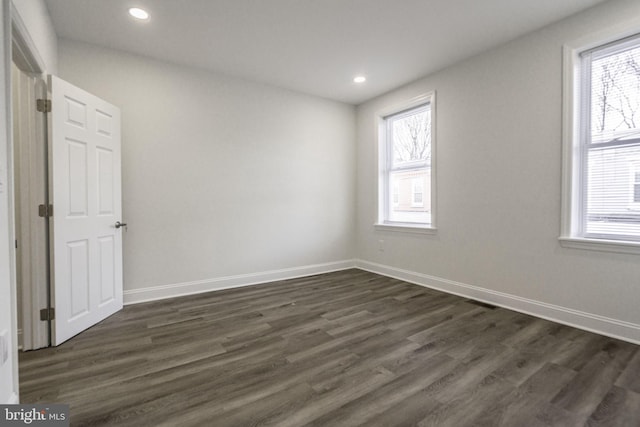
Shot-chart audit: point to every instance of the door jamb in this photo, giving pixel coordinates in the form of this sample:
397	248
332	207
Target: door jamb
25	55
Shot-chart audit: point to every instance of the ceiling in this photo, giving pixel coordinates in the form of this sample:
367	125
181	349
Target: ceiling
311	46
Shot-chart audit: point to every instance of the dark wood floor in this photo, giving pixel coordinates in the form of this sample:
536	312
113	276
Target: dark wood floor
341	349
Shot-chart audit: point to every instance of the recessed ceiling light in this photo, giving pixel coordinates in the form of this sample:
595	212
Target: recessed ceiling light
138	13
359	79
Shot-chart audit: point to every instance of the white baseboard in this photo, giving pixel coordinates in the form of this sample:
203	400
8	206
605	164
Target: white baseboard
587	321
590	322
135	296
13	399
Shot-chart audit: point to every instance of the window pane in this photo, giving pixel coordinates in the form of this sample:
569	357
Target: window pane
410	135
611	192
615	96
406	210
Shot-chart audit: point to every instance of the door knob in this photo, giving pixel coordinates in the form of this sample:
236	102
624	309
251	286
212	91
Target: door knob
120	224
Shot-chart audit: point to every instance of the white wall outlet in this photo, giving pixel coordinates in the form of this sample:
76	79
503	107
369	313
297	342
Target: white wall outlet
4	347
381	245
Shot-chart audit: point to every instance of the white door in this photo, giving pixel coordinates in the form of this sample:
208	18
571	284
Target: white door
85	191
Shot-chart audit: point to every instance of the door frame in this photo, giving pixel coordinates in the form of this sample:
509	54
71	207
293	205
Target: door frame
35	333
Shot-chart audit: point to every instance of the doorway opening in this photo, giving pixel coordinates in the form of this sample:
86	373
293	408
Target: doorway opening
30	193
29	175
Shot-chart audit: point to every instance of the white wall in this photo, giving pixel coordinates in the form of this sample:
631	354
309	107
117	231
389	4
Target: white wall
499	165
221	177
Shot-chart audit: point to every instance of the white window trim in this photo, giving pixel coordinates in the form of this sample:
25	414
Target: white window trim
405	228
571	150
380	224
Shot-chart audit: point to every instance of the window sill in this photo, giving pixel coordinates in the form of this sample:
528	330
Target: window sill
617	246
406	228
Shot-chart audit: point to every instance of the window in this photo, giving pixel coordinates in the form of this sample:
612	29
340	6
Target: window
396	194
416	192
602	145
635	186
406	147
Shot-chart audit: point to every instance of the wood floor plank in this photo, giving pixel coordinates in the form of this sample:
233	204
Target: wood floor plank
630	377
585	392
620	407
369	406
464	408
338	349
521	407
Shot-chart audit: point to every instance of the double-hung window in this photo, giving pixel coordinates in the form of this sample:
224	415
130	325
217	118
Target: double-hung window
406	164
602	146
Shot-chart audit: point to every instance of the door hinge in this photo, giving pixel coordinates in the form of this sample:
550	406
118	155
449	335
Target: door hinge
43	105
45	211
47	314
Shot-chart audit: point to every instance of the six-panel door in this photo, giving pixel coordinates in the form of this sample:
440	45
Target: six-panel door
85	189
